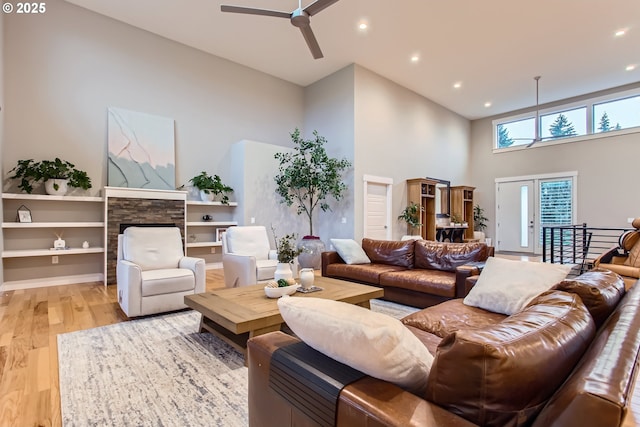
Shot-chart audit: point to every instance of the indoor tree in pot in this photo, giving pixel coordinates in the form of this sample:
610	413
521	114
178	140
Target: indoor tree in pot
57	175
211	186
306	177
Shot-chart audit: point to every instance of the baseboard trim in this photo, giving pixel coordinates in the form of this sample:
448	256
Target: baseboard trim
51	281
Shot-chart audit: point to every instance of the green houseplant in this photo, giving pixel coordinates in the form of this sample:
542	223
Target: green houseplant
411	215
479	223
308	176
210	186
56	174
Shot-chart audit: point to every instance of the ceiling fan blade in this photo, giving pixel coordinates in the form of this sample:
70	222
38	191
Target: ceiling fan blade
318	6
314	47
252	11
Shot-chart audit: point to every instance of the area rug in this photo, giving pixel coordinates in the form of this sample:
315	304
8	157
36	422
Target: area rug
157	371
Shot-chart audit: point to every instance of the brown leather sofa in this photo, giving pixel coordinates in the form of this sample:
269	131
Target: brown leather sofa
419	273
569	359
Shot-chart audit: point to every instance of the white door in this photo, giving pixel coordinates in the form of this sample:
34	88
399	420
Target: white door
377	219
515	219
377	207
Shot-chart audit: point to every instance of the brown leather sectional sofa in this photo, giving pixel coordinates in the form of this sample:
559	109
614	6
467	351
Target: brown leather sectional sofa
569	359
419	273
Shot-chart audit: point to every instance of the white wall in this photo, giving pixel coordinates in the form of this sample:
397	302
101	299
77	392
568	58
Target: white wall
68	66
402	135
607	172
254	168
329	109
2	112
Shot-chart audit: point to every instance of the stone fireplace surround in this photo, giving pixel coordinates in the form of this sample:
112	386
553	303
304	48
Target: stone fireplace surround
138	206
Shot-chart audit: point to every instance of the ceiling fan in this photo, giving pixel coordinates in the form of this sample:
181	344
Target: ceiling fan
536	123
299	18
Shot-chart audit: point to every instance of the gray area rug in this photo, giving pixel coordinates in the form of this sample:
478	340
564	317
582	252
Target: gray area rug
157	371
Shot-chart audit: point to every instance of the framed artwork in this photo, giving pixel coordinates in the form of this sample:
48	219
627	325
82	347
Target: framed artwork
24	214
141	150
219	232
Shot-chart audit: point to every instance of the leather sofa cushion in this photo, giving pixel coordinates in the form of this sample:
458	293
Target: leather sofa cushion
368	273
598	393
451	316
434	282
430	341
503	375
447	256
600	290
391	252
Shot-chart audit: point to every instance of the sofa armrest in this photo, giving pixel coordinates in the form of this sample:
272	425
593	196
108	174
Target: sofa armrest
330	257
373	402
368	401
239	270
612	256
462	273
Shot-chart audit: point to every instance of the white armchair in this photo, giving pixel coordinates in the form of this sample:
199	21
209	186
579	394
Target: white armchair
152	272
247	257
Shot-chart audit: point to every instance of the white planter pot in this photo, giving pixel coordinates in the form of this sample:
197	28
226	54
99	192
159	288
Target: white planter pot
479	235
56	187
283	271
206	197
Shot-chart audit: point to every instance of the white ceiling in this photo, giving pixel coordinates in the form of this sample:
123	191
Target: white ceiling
494	47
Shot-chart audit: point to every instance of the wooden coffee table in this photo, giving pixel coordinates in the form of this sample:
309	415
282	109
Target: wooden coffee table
237	314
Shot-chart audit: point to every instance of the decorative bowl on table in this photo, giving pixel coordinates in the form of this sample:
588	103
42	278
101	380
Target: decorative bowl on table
273	290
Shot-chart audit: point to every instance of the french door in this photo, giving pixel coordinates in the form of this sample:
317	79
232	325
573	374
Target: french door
524	205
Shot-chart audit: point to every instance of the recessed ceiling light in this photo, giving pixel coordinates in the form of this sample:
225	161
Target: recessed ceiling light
621	32
415	58
487	104
363	26
457	85
630	67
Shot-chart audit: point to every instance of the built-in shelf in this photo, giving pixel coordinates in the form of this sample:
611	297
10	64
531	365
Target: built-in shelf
201	203
24	196
52	224
23	253
203	244
212	223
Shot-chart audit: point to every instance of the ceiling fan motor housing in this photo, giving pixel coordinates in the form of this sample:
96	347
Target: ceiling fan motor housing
299	18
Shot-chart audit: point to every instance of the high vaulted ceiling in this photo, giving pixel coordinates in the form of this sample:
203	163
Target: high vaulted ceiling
493	48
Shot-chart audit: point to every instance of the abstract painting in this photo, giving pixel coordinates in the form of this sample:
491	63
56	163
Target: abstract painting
141	150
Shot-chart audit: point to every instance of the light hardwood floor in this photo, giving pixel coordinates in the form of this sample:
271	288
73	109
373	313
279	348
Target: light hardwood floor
29	323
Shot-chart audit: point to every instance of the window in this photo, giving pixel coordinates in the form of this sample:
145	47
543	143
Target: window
613	112
616	115
564	123
556	203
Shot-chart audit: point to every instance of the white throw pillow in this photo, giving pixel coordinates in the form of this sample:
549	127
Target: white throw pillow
350	251
374	343
506	286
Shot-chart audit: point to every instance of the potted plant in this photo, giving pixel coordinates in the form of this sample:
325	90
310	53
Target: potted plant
57	175
211	186
287	252
307	177
411	215
479	223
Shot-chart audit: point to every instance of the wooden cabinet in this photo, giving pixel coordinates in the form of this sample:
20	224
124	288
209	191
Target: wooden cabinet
462	206
27	255
423	192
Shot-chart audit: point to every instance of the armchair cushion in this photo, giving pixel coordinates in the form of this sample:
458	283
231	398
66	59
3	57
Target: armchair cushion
167	281
153	248
374	343
250	240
